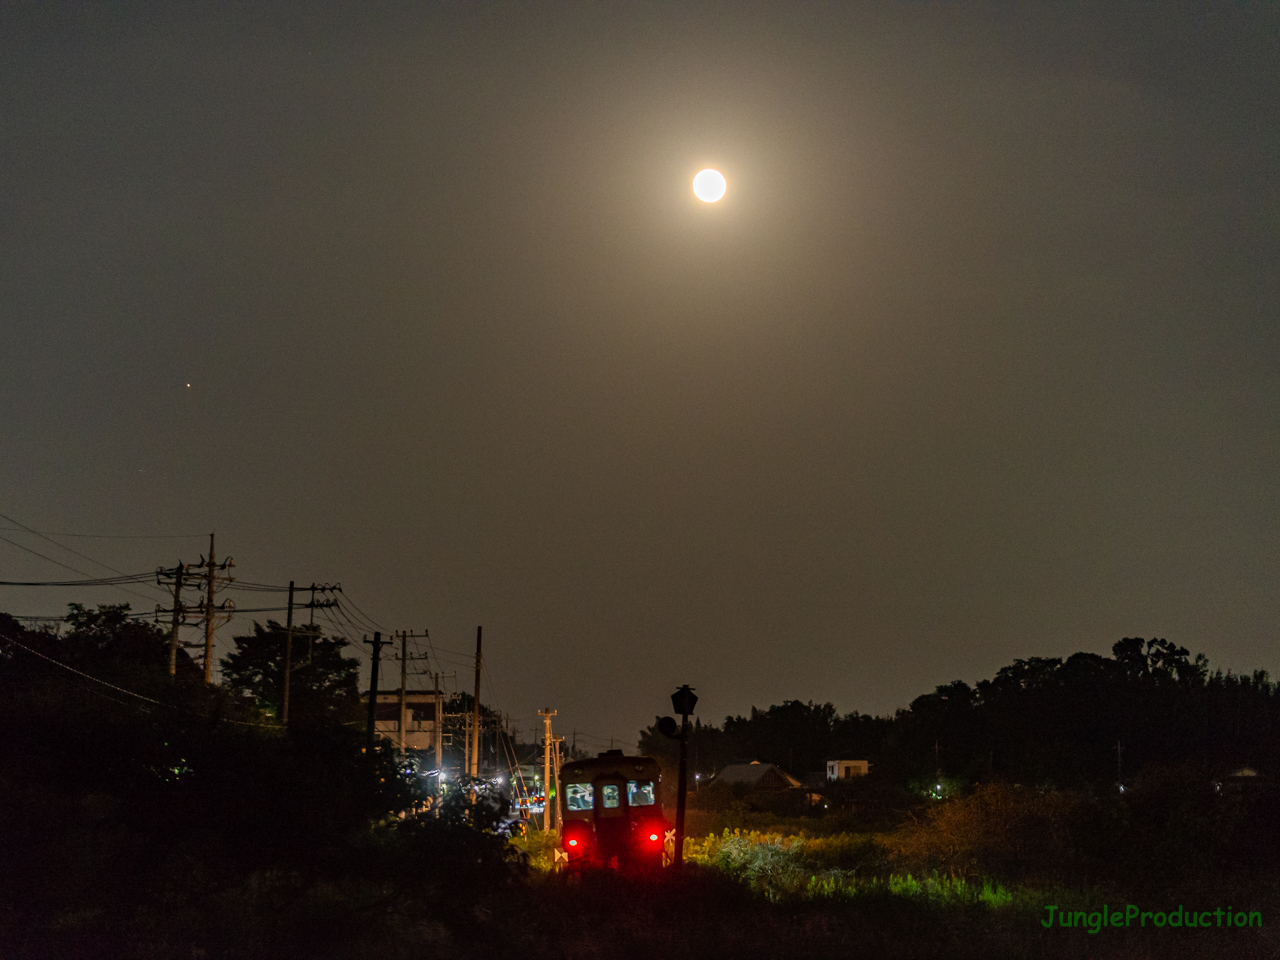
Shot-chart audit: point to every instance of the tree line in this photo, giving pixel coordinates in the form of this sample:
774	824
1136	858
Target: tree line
1082	721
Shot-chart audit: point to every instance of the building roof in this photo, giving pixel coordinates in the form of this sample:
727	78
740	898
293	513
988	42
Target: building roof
759	776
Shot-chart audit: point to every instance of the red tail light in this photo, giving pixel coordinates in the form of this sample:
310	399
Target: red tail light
573	843
653	836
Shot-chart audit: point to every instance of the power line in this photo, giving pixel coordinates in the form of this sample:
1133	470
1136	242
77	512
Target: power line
368	618
64	566
260	610
81	673
43	557
97	582
107	536
63	546
340	630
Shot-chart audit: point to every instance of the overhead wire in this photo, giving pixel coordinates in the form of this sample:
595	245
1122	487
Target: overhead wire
340	629
65	566
364	615
118	689
96	582
43	557
107	536
63	546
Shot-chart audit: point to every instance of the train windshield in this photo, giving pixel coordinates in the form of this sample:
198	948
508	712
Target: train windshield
611	795
640	793
579	796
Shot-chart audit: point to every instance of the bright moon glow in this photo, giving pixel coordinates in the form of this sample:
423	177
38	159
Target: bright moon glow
708	185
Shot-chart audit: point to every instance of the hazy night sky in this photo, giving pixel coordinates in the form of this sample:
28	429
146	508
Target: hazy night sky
979	357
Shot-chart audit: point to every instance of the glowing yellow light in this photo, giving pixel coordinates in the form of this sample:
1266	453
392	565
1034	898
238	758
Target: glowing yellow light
709	185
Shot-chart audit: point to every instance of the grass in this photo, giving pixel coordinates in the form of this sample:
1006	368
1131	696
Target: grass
423	889
792	891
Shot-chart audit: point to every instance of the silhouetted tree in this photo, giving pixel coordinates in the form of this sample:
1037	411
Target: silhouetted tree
324	682
1040	720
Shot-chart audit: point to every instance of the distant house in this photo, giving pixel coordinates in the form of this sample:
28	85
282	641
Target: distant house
756	776
1244	780
847	769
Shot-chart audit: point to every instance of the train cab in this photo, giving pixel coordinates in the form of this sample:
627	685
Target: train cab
609	812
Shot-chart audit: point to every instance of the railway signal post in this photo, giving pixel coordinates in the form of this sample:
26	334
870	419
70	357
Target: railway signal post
683	701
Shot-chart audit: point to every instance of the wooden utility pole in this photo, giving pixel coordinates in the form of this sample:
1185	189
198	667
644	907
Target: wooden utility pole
208	620
546	716
288	658
439	727
475	721
404	682
212	613
177	619
466	739
378	644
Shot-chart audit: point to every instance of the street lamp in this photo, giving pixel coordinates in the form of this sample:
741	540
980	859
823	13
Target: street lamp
683	700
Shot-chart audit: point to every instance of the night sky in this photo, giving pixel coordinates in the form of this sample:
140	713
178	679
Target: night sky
978	358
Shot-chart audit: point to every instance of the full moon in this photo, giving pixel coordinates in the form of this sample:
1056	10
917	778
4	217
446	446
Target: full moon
708	185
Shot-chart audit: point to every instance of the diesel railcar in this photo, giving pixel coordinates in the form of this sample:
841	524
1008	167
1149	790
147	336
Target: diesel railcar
609	812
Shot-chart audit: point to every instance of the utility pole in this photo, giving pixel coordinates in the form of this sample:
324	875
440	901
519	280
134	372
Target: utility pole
177	618
377	644
208	620
211	612
313	606
404	683
475	723
466	743
288	658
439	727
546	716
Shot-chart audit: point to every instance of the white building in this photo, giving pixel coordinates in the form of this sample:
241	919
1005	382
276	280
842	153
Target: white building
420	718
847	769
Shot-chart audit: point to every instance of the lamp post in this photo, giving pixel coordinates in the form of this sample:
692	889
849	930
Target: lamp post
683	701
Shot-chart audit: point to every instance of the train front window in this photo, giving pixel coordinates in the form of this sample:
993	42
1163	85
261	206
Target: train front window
578	796
640	793
611	795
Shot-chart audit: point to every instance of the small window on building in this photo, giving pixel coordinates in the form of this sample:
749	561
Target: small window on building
640	793
611	795
579	796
